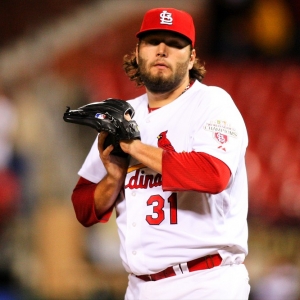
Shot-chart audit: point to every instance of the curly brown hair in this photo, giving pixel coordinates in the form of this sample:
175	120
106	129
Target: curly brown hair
131	69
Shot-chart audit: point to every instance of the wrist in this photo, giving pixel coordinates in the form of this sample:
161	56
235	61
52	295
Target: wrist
114	180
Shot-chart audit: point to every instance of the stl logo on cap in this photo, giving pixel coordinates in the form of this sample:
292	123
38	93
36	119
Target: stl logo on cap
169	19
166	18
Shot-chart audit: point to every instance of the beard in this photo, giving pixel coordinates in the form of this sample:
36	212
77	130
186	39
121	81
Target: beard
160	83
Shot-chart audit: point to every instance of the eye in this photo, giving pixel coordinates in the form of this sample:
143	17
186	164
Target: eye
175	44
153	41
171	41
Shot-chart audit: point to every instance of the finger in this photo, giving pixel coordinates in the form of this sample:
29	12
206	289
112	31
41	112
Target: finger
127	117
106	152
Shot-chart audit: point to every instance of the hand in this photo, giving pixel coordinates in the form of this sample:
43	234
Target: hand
126	144
115	166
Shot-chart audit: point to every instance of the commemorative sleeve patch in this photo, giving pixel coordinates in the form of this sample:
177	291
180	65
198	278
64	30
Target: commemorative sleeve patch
221	131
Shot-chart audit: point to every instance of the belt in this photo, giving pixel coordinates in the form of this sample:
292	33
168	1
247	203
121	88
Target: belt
202	263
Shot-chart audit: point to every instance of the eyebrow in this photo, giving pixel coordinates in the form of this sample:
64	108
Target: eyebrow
170	40
164	34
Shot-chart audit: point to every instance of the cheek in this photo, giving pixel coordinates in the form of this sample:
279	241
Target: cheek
142	64
183	56
184	61
143	61
144	57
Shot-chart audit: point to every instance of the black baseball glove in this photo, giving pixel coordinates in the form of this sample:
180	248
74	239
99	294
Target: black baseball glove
107	115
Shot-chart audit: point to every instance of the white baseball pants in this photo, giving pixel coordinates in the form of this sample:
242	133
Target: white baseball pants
229	282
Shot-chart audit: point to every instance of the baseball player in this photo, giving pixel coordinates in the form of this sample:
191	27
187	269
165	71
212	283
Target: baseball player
181	196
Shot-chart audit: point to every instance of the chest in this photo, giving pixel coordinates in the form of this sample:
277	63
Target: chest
171	127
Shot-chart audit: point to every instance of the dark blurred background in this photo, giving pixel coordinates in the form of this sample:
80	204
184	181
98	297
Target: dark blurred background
58	53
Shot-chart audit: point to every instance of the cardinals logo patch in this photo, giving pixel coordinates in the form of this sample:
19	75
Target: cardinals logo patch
221	138
163	142
221	132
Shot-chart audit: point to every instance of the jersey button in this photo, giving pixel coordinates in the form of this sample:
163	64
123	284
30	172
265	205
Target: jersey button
133	193
133	224
134	252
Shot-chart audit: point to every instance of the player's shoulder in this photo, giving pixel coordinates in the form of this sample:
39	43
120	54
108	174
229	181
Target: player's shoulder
213	96
216	98
138	101
214	91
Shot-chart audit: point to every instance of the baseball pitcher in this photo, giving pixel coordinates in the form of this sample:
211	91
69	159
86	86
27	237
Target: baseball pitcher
171	163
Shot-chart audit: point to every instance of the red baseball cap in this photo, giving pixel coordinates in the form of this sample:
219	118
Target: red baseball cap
170	19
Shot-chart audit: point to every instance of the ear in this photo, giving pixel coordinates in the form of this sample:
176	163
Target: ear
192	59
136	53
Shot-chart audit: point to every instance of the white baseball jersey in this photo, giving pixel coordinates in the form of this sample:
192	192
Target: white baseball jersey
160	228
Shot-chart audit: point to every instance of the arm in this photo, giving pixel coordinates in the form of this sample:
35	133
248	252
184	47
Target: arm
108	189
84	204
93	202
194	171
182	171
148	155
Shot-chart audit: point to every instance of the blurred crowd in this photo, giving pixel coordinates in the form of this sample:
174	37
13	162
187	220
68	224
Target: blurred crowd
10	190
40	156
256	29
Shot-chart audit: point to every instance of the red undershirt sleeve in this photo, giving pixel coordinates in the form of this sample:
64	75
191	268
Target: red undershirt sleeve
196	171
83	203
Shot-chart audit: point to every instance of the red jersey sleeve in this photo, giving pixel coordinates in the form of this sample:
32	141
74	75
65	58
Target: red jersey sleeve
83	203
196	171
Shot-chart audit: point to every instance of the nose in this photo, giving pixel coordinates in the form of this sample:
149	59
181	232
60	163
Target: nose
161	50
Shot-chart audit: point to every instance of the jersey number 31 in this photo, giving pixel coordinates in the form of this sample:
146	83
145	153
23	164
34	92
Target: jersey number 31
158	204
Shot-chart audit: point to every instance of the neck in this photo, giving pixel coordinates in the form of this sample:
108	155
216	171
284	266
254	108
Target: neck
162	99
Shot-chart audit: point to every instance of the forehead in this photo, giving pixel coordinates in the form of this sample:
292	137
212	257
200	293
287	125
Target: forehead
164	35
